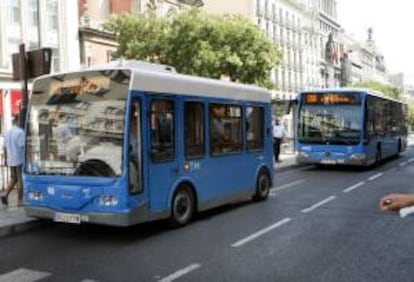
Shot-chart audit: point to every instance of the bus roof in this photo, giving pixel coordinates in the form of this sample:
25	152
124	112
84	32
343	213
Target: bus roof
354	89
159	78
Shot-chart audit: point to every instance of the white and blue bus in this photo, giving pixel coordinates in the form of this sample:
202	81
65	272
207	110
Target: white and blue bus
121	145
349	126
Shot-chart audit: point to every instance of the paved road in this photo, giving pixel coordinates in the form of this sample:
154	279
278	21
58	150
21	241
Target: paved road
318	225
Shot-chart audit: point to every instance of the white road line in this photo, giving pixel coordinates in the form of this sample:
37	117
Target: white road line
317	205
403	164
23	275
287	185
375	176
261	232
411	160
180	273
349	189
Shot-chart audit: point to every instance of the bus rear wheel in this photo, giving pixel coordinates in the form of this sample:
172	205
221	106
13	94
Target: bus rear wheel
262	187
183	207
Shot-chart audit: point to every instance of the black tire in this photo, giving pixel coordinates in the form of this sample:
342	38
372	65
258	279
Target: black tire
262	187
182	207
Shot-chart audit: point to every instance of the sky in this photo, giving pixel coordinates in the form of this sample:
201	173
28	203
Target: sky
393	29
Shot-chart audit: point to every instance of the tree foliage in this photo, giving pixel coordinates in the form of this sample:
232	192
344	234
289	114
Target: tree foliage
387	90
198	43
411	115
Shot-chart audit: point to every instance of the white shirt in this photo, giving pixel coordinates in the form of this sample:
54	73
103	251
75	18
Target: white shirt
14	143
278	131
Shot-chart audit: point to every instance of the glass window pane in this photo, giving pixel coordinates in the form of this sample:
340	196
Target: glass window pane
254	128
194	130
225	129
162	130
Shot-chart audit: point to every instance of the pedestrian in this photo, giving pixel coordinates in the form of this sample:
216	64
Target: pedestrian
278	135
14	143
395	202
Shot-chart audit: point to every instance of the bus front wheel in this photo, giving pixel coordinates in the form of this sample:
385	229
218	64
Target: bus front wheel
182	209
262	187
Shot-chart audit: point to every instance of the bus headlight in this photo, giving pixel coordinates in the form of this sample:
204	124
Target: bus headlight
358	156
108	200
35	195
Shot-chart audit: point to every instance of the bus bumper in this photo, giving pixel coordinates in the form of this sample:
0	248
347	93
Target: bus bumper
357	159
137	215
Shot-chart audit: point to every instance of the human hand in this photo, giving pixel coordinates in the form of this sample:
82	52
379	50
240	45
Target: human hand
394	202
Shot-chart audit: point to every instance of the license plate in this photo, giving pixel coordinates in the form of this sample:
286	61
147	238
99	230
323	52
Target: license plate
67	217
328	162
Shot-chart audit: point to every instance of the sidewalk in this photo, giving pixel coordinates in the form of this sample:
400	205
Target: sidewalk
13	219
288	161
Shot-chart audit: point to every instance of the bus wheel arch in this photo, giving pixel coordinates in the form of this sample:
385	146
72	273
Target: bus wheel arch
183	204
263	185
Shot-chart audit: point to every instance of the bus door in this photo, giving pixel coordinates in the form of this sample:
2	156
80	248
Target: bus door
163	167
136	181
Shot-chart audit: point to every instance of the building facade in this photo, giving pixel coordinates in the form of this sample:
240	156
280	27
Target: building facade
300	28
37	24
96	45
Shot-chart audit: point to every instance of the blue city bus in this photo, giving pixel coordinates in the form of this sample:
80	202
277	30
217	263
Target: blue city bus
347	126
129	143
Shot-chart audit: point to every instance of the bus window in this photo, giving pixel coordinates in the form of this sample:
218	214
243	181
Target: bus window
194	130
162	130
254	128
225	129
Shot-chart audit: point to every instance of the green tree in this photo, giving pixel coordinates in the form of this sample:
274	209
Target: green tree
411	116
198	43
139	37
387	90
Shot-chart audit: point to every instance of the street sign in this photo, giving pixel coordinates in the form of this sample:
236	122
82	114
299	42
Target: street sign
38	63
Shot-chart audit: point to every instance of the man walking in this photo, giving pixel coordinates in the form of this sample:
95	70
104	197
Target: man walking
14	143
278	134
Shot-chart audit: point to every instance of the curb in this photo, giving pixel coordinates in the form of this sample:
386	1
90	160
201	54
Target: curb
289	167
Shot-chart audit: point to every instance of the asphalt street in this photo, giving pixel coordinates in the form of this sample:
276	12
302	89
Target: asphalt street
319	224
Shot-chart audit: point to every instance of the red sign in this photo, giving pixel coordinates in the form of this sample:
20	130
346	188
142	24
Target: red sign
16	100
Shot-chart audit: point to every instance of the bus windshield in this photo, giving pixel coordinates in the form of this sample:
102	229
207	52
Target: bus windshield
75	124
330	118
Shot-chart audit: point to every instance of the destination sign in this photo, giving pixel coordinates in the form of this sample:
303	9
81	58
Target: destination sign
331	98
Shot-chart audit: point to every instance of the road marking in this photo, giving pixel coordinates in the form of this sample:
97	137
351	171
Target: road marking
411	160
23	275
287	185
403	164
180	273
317	205
261	232
375	176
349	189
